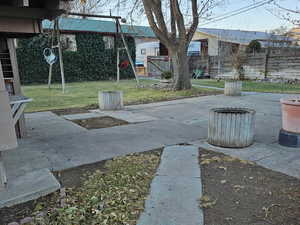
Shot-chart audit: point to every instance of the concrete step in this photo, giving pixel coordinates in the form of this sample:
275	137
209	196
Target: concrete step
28	187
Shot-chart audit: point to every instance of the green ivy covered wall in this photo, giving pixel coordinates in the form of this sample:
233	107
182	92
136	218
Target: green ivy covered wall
91	61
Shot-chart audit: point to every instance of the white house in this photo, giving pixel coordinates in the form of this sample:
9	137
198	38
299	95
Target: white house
215	41
153	49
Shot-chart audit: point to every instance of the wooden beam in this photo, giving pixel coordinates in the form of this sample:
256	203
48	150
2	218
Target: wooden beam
16	82
19	26
93	15
29	13
14	64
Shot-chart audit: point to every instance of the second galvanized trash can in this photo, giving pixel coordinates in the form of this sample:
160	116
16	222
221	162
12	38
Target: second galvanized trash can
233	88
110	100
231	127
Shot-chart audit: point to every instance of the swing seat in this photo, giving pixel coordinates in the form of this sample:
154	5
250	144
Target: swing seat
49	56
124	64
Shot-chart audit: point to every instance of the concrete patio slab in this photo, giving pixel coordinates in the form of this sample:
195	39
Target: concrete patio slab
179	161
130	117
89	146
28	187
82	116
274	157
55	143
174	196
47	124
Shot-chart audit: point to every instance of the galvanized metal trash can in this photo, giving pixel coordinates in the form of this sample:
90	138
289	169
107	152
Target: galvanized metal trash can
233	88
111	100
231	127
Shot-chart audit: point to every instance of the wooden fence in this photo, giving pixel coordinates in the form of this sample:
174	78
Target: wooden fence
157	64
275	63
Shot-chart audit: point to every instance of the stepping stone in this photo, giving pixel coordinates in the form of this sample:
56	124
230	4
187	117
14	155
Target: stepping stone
28	187
128	116
175	190
82	116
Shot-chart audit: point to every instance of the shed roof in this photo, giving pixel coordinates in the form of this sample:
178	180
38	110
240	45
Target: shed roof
101	26
241	36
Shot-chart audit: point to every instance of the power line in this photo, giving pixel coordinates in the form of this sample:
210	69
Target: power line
238	11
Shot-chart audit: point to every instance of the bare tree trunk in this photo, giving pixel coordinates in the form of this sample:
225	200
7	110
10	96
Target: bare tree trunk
181	74
179	37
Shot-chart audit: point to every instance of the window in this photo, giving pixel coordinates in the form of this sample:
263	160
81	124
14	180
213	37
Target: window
69	42
143	51
157	51
109	42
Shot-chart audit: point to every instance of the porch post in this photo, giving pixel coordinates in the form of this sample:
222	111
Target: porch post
8	138
17	82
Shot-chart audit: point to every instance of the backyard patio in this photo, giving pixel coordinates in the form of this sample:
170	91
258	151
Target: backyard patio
56	143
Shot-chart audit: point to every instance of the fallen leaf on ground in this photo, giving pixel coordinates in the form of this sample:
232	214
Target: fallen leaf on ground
206	202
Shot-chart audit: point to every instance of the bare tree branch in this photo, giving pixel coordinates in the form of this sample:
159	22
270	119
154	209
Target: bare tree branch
195	23
286	9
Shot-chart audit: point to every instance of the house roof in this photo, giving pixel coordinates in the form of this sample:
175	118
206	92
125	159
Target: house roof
240	36
101	26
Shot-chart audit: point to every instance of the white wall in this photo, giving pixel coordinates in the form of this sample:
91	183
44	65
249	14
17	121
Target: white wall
152	49
213	43
149	48
213	46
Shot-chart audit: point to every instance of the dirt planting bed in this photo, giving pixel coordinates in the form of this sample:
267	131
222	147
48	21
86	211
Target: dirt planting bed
239	192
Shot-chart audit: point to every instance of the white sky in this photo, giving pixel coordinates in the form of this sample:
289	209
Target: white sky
259	19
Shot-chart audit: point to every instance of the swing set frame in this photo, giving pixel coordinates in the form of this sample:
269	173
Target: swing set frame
119	32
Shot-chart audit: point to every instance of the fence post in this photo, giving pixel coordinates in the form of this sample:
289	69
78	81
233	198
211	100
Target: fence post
208	66
266	61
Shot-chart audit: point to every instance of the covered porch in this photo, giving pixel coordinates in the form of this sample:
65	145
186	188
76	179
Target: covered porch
18	18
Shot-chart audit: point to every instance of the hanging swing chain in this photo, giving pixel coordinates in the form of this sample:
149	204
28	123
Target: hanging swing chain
48	53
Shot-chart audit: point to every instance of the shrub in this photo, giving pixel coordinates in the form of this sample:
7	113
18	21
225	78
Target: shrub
254	46
166	75
238	61
91	61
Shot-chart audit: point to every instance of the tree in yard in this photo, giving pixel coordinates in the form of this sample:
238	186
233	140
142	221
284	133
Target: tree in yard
178	36
253	46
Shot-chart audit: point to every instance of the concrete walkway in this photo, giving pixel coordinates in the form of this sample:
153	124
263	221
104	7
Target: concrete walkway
175	190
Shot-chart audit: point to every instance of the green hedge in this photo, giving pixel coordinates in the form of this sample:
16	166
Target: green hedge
90	62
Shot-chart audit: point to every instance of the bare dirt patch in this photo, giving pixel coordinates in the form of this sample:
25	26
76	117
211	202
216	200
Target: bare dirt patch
100	122
239	192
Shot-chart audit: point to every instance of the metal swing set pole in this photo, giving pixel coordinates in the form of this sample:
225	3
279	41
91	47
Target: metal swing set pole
119	29
127	50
